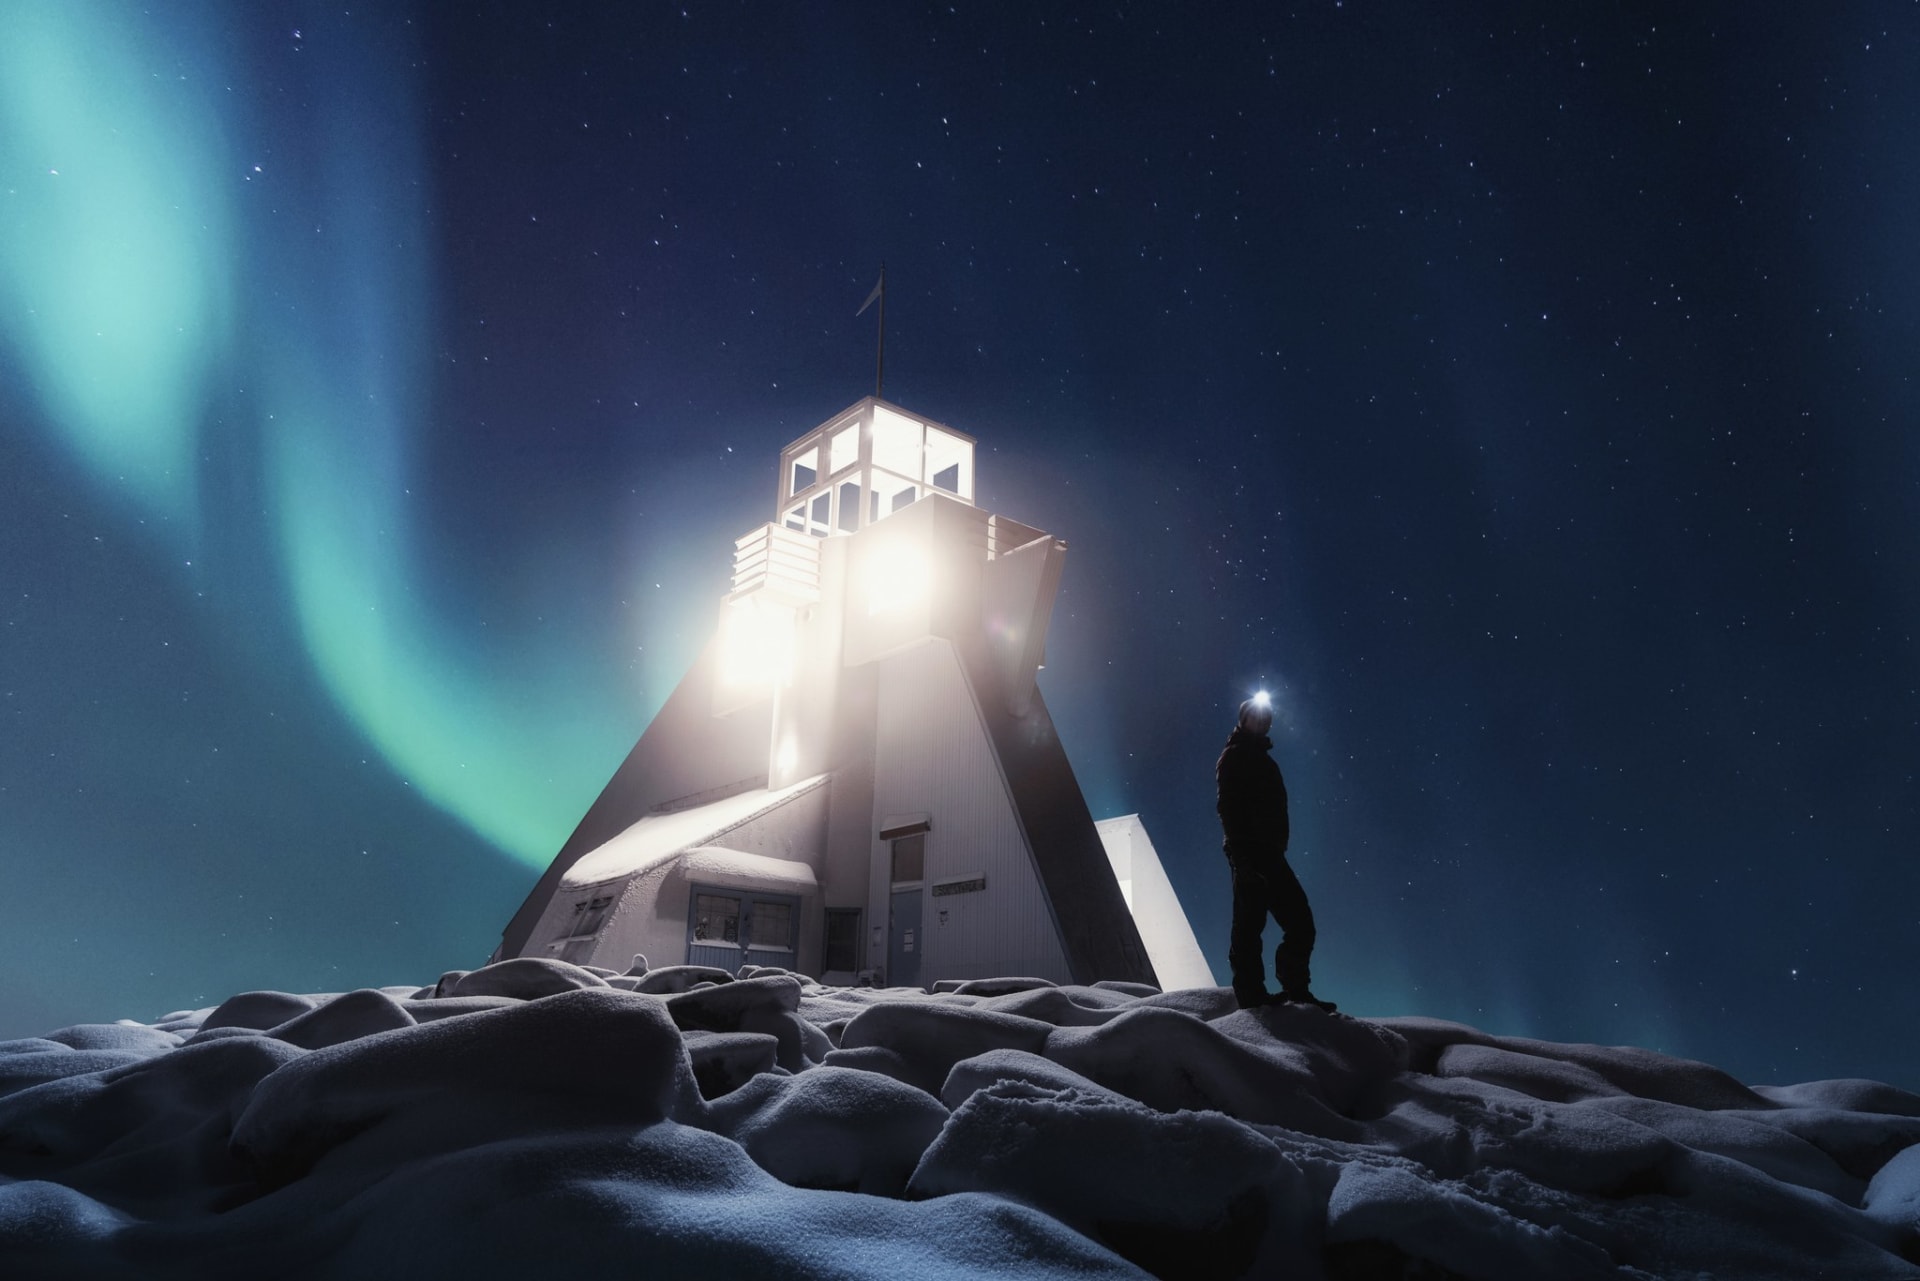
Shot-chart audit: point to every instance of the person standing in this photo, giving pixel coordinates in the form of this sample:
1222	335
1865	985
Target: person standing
1253	814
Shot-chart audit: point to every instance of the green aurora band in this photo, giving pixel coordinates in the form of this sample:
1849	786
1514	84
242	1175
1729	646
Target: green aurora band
143	266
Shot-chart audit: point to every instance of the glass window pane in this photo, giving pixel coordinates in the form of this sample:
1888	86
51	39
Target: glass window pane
898	443
588	916
716	919
849	507
950	463
806	470
904	498
843	939
909	857
772	925
797	518
844	449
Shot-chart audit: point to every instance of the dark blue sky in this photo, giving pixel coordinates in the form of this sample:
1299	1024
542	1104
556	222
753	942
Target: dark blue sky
1527	400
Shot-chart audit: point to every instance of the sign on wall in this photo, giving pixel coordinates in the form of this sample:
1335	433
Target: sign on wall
968	886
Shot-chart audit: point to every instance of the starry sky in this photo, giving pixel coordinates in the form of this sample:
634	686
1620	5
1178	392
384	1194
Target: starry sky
1526	400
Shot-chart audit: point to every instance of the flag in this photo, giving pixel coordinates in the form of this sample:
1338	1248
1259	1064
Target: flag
878	290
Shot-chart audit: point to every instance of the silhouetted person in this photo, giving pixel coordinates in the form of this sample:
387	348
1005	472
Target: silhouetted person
1253	813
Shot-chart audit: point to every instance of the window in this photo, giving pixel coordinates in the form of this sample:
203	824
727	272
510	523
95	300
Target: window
817	523
716	919
890	494
770	926
909	857
806	470
950	463
844	449
899	443
849	507
843	940
588	915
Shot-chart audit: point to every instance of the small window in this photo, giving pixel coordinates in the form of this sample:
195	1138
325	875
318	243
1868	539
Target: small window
797	518
843	939
818	525
588	915
910	857
716	919
849	507
904	498
806	470
948	478
770	925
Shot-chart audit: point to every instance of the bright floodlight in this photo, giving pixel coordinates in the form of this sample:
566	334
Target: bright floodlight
896	577
756	645
1262	699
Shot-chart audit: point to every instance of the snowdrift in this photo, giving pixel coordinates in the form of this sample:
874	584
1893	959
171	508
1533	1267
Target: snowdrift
533	1118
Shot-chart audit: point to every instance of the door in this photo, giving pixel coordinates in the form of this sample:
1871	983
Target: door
713	930
907	943
730	928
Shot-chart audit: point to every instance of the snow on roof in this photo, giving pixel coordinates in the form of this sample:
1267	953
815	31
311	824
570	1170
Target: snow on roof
720	865
658	837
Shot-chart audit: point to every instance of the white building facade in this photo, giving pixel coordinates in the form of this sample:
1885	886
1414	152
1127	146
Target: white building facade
858	778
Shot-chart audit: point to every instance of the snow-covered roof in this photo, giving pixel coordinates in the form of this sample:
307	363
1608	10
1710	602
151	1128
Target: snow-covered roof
718	865
658	837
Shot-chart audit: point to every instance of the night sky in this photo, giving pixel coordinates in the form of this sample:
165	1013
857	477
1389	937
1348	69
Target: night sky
1529	402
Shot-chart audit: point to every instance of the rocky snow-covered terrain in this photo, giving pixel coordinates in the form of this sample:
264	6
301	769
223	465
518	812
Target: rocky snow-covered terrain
537	1119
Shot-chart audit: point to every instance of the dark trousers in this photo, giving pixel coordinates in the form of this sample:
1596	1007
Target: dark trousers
1263	886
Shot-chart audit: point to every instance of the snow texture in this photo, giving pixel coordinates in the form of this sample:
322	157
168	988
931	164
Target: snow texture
533	1117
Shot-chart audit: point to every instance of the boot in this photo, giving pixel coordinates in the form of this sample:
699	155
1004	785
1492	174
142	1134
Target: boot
1301	996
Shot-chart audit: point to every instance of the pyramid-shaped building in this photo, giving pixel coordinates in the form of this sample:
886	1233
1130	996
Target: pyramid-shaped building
858	779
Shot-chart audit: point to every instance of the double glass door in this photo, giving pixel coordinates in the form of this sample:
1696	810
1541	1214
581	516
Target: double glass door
730	928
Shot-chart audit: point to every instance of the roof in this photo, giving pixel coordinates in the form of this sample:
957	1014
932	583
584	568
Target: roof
718	865
659	837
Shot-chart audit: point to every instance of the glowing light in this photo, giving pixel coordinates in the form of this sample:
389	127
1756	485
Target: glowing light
1262	699
756	645
896	577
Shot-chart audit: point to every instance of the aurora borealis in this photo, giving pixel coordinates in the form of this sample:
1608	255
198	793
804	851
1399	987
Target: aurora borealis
1527	400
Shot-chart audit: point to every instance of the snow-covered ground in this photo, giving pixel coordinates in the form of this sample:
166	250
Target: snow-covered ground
537	1119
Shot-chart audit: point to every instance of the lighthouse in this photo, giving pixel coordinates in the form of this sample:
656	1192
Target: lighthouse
858	779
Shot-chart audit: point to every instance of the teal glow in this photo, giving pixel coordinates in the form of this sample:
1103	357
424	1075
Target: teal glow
114	246
118	276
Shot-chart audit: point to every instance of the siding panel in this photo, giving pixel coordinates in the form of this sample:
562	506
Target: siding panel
933	757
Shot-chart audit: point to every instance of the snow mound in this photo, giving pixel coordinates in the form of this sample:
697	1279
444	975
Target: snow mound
531	1117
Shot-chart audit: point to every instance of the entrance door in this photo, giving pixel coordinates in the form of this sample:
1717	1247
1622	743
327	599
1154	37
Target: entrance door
907	944
714	933
730	928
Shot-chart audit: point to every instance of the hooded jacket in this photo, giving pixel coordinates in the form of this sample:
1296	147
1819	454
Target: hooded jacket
1252	796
